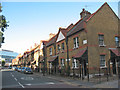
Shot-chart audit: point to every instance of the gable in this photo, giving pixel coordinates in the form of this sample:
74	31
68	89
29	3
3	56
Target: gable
105	8
60	37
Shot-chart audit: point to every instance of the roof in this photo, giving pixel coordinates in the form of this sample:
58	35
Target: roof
78	26
80	53
52	40
116	52
98	10
52	58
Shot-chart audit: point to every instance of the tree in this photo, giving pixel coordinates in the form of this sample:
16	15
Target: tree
3	23
3	62
3	26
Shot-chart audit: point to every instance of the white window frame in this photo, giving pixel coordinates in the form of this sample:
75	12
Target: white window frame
50	50
76	42
74	63
101	59
101	40
117	41
62	62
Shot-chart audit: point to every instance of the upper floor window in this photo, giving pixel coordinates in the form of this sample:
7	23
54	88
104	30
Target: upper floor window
58	47
74	63
116	41
62	62
76	42
101	39
50	51
102	61
62	46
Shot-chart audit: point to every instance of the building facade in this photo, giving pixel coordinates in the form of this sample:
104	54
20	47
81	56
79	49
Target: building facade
8	56
88	47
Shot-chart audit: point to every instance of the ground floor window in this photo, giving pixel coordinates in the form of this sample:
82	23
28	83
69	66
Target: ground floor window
62	62
102	61
74	63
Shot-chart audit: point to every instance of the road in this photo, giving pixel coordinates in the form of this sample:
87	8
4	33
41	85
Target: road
14	79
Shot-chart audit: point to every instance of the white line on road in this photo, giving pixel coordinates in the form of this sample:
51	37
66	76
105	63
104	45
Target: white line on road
21	85
28	84
15	79
12	75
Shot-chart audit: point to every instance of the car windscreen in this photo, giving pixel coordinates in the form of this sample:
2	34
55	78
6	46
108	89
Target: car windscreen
28	68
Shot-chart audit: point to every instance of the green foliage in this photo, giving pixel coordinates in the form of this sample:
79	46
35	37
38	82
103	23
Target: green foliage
3	62
3	23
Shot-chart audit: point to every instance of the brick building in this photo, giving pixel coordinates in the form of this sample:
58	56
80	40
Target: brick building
90	46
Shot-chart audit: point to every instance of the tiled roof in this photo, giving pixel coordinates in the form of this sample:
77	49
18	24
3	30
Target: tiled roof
78	26
52	40
116	52
52	58
80	53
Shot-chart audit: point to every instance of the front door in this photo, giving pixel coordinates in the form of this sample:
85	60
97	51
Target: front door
114	66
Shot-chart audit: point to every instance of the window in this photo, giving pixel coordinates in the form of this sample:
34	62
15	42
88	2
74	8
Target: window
102	61
62	46
50	51
117	41
74	63
101	39
62	62
58	47
76	42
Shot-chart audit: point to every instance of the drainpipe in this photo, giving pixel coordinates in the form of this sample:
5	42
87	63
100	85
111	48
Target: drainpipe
68	67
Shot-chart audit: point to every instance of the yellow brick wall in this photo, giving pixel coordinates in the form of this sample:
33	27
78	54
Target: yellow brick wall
104	21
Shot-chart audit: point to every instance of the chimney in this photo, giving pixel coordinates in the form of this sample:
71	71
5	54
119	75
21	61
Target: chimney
84	13
51	35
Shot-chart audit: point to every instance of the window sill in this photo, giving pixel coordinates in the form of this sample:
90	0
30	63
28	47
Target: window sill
102	45
75	48
75	68
103	67
118	46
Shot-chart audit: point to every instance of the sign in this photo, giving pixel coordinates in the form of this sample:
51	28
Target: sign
84	41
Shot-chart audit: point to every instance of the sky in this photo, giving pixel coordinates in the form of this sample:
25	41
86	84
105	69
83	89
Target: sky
30	22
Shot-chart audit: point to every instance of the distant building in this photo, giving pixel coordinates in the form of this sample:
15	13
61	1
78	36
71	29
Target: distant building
8	56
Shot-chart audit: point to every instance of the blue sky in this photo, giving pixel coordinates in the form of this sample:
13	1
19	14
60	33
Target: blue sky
30	22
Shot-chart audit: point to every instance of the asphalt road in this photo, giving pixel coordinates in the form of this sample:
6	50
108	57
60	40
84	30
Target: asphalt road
14	79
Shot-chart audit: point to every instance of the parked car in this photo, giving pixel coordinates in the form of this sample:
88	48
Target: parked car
13	68
28	70
23	69
16	69
19	69
9	67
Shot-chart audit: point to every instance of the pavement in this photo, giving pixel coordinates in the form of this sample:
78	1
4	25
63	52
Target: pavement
112	83
14	79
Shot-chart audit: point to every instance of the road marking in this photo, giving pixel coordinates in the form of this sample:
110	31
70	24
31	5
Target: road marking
15	79
27	78
12	75
50	83
21	85
28	84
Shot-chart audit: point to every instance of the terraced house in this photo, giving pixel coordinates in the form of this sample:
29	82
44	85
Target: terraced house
91	45
86	48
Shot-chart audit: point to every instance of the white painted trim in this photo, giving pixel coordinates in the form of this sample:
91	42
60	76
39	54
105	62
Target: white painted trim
60	37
